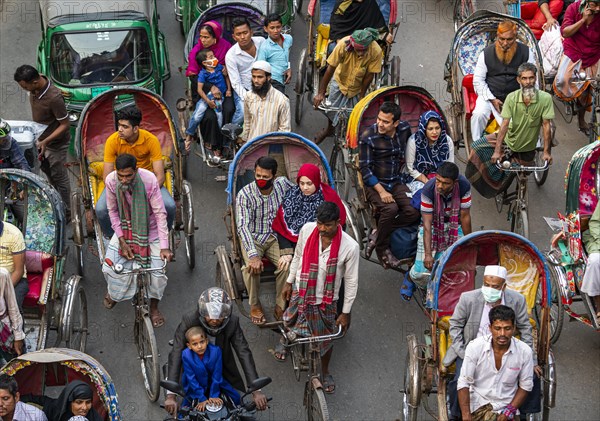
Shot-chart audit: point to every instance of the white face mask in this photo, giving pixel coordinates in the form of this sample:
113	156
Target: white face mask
491	295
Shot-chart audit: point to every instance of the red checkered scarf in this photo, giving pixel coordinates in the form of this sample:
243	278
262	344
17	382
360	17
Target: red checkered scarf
441	239
310	271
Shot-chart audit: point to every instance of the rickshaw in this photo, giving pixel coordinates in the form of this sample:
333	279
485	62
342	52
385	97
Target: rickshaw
313	58
476	33
97	123
188	11
48	371
568	256
413	102
456	272
225	14
291	151
53	303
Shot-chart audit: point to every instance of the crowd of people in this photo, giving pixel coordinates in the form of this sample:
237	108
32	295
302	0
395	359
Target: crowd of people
410	179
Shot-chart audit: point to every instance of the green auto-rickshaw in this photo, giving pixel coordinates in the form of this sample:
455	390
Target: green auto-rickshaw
90	47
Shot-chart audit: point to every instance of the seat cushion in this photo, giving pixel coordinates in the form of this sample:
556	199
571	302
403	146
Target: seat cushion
469	95
39	266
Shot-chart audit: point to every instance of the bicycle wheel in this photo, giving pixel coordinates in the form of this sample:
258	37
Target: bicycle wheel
594	132
300	87
316	407
148	355
519	223
540	176
557	311
411	396
340	172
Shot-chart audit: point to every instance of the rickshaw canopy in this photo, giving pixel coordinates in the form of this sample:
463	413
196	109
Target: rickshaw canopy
56	13
582	180
388	9
289	149
45	220
454	272
55	367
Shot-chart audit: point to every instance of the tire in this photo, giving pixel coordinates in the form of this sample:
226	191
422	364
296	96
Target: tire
318	410
411	397
499	198
352	227
557	311
148	355
595	123
540	176
549	387
300	87
340	172
77	217
189	224
519	223
74	314
395	71
296	353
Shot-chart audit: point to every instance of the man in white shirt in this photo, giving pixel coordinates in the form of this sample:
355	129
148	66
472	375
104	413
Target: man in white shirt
239	61
470	320
497	373
324	256
11	408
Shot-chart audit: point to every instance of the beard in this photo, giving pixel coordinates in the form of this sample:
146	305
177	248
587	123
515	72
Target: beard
528	93
261	90
506	56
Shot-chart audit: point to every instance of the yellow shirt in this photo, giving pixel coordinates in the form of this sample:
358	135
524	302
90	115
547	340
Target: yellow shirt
146	149
352	69
11	243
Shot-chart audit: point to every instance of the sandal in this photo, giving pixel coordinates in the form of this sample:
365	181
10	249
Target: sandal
408	288
278	313
257	316
158	319
584	129
108	302
280	353
328	384
207	146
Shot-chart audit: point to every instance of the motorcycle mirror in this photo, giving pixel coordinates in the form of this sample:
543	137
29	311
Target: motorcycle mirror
231	130
172	386
259	384
582	75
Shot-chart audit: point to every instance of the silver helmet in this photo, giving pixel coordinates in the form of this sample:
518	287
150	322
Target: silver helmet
214	304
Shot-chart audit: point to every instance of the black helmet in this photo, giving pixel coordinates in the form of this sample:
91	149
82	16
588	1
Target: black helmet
214	303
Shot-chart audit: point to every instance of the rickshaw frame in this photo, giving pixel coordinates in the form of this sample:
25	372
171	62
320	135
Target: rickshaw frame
60	304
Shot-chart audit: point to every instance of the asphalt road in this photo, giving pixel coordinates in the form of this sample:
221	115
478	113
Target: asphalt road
368	363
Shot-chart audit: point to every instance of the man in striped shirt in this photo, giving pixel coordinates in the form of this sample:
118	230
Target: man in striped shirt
266	109
442	225
255	208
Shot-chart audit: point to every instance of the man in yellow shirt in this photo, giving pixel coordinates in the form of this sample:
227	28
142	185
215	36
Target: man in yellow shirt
130	139
353	63
12	258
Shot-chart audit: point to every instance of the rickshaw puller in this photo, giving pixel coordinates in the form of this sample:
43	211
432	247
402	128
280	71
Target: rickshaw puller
141	232
324	255
591	277
353	63
214	314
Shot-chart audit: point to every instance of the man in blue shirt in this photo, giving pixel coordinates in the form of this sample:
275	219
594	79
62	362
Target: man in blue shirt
276	51
381	158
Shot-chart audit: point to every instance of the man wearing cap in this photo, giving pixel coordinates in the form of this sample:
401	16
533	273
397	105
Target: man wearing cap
266	109
495	75
471	320
353	63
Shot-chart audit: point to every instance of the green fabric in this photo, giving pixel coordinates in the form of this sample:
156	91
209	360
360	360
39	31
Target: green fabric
591	237
526	121
134	220
365	36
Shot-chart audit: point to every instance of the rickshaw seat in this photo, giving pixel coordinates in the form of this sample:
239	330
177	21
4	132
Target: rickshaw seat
321	48
469	95
96	170
523	273
39	266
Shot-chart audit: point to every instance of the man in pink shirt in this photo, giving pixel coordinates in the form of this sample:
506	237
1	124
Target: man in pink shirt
581	32
141	233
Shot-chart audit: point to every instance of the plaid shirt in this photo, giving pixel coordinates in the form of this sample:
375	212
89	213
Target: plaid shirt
381	158
254	213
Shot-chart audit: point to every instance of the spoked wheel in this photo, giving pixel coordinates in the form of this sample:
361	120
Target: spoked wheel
395	71
352	226
74	318
340	172
297	356
189	225
317	410
148	355
519	223
548	387
557	311
540	176
300	88
77	218
411	396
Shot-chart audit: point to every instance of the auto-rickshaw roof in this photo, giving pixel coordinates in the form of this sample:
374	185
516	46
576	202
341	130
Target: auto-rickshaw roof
58	12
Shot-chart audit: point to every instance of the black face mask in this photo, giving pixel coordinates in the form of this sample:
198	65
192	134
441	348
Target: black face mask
264	184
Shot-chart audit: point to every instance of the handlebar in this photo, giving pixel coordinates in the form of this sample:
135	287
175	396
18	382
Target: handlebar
118	268
314	339
328	108
508	166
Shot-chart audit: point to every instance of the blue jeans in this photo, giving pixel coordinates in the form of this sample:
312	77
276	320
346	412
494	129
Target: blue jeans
238	117
198	114
104	218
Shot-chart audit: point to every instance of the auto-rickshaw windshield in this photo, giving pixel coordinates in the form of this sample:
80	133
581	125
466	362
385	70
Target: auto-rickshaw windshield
101	57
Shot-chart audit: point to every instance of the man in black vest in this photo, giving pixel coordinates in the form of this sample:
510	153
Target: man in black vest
495	75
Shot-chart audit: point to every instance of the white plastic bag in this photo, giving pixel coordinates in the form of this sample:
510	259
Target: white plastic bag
552	50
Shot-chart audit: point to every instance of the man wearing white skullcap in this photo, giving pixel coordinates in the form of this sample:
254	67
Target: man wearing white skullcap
471	320
266	109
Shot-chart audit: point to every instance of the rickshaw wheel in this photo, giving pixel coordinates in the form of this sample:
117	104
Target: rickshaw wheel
557	311
351	225
224	277
411	397
74	315
540	176
148	354
189	225
441	398
77	213
519	223
300	87
548	387
318	410
340	172
395	71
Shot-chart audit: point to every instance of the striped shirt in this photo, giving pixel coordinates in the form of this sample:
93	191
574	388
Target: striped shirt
254	213
266	115
428	196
